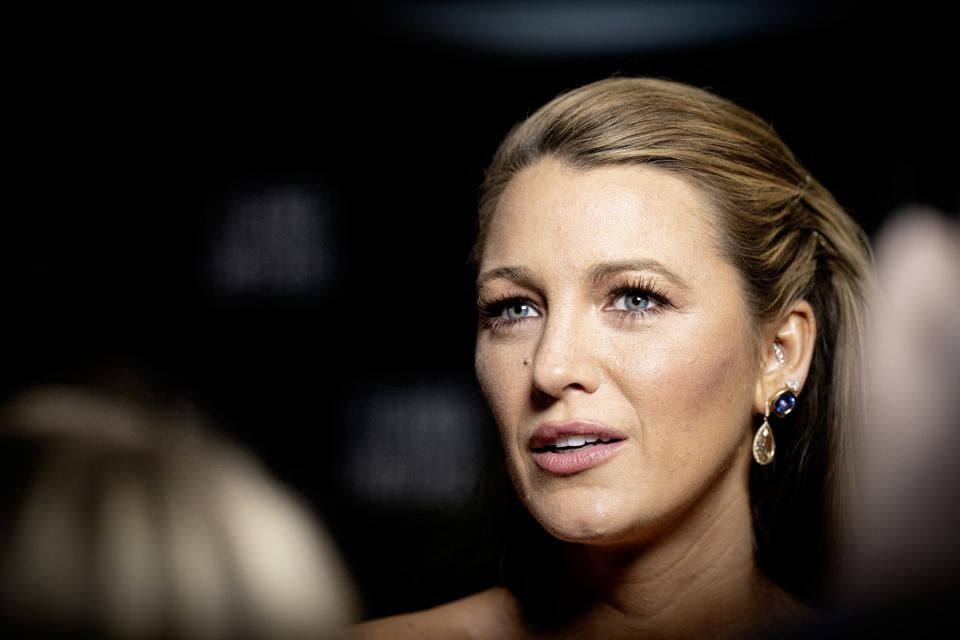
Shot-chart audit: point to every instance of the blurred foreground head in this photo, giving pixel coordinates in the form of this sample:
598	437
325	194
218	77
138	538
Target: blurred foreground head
909	531
119	522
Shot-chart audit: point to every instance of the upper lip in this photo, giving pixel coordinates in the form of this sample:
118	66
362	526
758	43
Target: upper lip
548	432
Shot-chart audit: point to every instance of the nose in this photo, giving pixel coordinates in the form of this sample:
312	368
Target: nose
565	359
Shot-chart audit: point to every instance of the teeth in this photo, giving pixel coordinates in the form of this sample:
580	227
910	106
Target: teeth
574	441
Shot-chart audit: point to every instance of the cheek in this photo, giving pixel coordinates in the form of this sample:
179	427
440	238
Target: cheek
497	376
690	384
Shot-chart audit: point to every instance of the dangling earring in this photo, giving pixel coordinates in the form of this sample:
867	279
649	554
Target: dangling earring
764	446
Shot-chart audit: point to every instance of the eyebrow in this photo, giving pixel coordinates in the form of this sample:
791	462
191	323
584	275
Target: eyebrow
597	273
519	275
604	270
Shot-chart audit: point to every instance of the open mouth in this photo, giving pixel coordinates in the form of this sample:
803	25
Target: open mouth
566	448
571	444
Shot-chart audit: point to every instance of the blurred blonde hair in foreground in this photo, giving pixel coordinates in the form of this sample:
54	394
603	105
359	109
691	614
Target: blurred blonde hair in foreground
122	522
910	524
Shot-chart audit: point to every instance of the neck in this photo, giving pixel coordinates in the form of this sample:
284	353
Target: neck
698	578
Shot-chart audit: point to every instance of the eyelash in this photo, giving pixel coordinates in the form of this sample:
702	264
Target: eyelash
645	288
491	309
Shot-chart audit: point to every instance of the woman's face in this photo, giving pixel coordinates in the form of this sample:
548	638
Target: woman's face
615	350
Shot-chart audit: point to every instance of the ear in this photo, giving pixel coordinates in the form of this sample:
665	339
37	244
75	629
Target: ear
795	334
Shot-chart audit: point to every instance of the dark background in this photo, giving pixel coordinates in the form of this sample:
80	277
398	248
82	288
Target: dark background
270	214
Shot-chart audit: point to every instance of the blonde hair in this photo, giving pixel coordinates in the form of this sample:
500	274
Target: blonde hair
789	240
125	522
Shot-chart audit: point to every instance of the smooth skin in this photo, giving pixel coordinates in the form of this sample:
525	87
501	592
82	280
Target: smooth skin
605	297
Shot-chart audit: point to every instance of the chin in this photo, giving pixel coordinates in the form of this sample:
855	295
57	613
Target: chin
597	522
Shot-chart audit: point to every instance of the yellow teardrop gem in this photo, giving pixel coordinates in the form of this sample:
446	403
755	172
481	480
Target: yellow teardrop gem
764	446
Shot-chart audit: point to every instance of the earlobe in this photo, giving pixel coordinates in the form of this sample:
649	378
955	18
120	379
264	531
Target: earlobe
788	351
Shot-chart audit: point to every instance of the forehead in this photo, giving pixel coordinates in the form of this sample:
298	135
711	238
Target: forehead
570	218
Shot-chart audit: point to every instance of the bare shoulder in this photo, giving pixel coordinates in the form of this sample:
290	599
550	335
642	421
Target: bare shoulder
489	614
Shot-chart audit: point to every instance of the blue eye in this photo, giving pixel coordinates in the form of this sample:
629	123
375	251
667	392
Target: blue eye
632	301
518	310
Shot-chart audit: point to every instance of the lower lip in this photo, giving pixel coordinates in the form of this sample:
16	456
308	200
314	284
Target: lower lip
576	461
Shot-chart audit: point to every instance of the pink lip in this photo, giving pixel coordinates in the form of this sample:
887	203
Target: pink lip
581	459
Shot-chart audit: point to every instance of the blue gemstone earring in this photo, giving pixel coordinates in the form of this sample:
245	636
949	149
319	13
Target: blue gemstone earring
783	402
